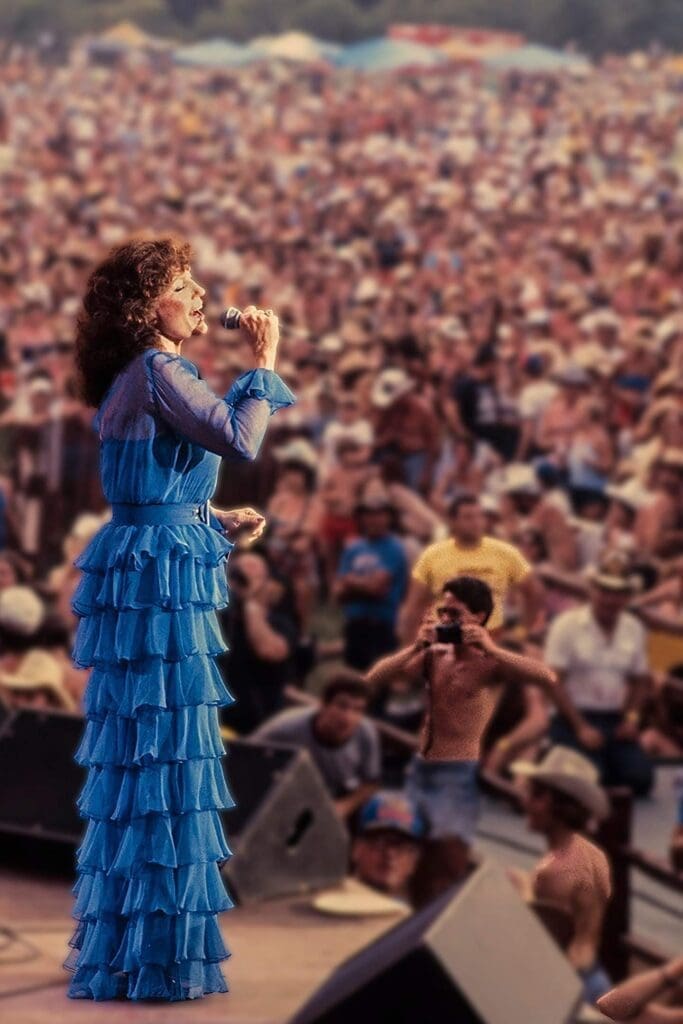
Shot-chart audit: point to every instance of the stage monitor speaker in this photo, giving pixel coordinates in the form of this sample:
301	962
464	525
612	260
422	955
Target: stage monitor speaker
285	834
476	955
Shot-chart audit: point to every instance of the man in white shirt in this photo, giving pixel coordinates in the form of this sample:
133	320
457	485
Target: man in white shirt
599	653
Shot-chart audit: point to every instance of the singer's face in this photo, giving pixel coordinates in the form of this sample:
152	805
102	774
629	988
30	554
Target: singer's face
179	309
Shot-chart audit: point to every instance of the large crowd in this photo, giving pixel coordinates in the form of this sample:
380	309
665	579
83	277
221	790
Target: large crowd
480	287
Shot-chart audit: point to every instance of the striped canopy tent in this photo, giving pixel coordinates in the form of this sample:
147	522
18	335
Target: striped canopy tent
534	59
388	55
295	46
465	51
127	34
214	53
125	38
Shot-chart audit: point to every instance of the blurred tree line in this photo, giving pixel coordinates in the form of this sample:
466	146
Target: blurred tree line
593	25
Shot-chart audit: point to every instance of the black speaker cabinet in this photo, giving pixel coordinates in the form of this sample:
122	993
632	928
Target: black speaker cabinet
476	955
39	780
284	832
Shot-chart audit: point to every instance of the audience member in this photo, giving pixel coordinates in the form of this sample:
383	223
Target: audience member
464	672
528	508
399	702
370	585
599	652
405	427
467	552
261	632
663	736
342	742
294	516
563	795
387	844
29	675
517	728
638	999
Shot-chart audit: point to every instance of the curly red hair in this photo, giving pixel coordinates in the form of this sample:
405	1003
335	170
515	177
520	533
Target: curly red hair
116	322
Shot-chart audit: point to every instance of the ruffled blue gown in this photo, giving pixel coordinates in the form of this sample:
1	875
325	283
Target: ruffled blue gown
148	886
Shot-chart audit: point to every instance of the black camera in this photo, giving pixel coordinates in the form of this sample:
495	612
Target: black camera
449	634
237	576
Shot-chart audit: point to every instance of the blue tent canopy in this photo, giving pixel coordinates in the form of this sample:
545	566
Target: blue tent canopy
214	53
536	59
387	55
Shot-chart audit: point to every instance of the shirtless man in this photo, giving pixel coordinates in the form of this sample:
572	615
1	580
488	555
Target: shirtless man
564	794
464	682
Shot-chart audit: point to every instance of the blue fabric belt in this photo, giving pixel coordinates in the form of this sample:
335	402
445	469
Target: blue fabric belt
158	515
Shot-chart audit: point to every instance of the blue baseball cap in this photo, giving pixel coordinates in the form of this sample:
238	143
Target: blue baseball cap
633	382
389	809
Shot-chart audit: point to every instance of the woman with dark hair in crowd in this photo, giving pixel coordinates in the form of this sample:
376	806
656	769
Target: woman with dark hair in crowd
149	887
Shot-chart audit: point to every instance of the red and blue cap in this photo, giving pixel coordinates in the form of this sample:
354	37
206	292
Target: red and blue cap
391	810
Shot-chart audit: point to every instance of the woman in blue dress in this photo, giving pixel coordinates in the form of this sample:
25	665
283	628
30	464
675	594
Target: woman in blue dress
148	886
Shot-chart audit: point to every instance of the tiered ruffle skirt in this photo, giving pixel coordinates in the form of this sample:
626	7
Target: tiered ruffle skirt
149	887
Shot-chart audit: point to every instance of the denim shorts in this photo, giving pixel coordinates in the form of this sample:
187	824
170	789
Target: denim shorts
595	983
446	795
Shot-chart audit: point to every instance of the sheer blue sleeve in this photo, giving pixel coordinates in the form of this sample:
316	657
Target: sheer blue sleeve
233	426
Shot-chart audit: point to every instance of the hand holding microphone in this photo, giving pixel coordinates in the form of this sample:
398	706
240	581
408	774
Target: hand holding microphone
262	329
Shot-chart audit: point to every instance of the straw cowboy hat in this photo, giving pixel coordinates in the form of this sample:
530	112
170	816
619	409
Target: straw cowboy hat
355	899
39	670
571	773
391	385
21	610
297	450
520	478
630	493
614	572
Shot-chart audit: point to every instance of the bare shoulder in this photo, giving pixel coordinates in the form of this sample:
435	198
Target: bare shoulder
593	864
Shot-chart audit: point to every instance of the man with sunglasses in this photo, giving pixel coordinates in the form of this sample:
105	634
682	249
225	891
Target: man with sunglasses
465	672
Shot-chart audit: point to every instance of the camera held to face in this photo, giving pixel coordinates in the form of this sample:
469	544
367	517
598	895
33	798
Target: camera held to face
449	633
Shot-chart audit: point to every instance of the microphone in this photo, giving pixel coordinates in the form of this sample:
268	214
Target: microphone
230	318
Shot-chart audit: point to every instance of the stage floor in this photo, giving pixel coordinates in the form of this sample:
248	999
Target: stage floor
282	949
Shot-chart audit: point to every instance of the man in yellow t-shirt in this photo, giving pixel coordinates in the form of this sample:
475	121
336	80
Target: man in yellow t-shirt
467	552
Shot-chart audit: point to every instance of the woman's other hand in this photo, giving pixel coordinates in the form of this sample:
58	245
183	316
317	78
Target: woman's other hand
262	329
241	524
